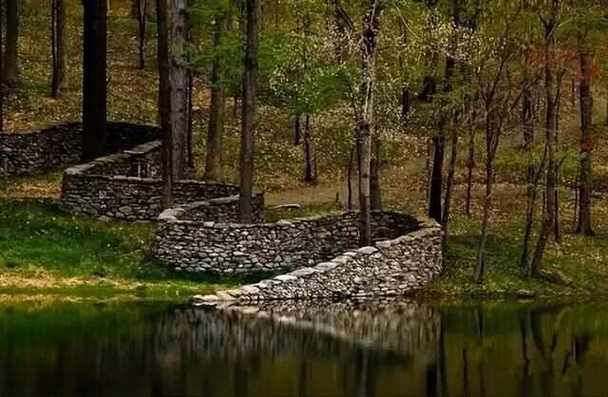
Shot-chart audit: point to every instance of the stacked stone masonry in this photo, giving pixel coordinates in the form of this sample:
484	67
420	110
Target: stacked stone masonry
41	151
389	268
127	186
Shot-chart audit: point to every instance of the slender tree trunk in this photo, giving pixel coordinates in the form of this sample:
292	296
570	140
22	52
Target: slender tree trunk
436	188
527	122
297	129
164	101
58	47
11	57
492	139
142	17
349	181
470	163
365	122
178	73
248	117
375	185
585	182
447	205
310	163
94	95
215	132
550	142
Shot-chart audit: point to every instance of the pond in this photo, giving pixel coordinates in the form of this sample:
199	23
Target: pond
325	350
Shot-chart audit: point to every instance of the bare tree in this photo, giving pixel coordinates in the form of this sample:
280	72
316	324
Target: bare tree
11	51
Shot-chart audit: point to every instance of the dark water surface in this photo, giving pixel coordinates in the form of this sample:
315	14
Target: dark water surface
394	349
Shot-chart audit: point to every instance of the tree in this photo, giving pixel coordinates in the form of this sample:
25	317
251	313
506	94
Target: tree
248	113
141	10
58	46
365	115
11	56
215	132
550	20
94	87
164	101
178	87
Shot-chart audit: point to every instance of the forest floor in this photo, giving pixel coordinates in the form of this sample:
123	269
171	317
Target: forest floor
45	251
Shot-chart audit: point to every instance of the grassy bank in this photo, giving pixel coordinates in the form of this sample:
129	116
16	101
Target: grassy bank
44	251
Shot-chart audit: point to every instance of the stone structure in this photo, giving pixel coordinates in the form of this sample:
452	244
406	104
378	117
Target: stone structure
190	242
392	267
127	186
41	151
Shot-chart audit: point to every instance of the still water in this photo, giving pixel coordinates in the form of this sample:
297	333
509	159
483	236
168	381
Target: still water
363	350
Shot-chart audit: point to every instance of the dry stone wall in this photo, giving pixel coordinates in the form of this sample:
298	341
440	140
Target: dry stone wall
41	151
127	186
390	268
201	246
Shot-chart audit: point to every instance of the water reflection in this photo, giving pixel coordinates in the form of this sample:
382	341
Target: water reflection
364	350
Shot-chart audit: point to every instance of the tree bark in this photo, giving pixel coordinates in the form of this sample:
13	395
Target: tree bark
586	146
142	17
248	114
375	184
310	163
178	73
550	143
164	101
470	163
94	87
11	57
447	205
215	132
365	122
58	47
527	123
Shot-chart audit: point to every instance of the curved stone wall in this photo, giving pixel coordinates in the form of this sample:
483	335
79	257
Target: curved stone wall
198	243
127	186
391	267
61	145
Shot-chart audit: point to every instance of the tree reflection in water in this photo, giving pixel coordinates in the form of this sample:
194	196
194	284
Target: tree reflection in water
305	350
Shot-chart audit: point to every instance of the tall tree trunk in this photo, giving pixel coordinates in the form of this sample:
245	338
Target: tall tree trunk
550	142
248	117
527	123
492	139
470	162
436	188
11	57
585	183
215	131
178	73
142	17
94	87
164	101
58	46
447	205
375	185
310	163
365	122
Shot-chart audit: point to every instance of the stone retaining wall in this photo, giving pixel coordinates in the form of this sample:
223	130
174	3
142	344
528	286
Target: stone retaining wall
232	248
390	268
41	151
126	186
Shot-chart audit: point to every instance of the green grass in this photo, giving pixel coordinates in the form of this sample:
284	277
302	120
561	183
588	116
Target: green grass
578	258
56	253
